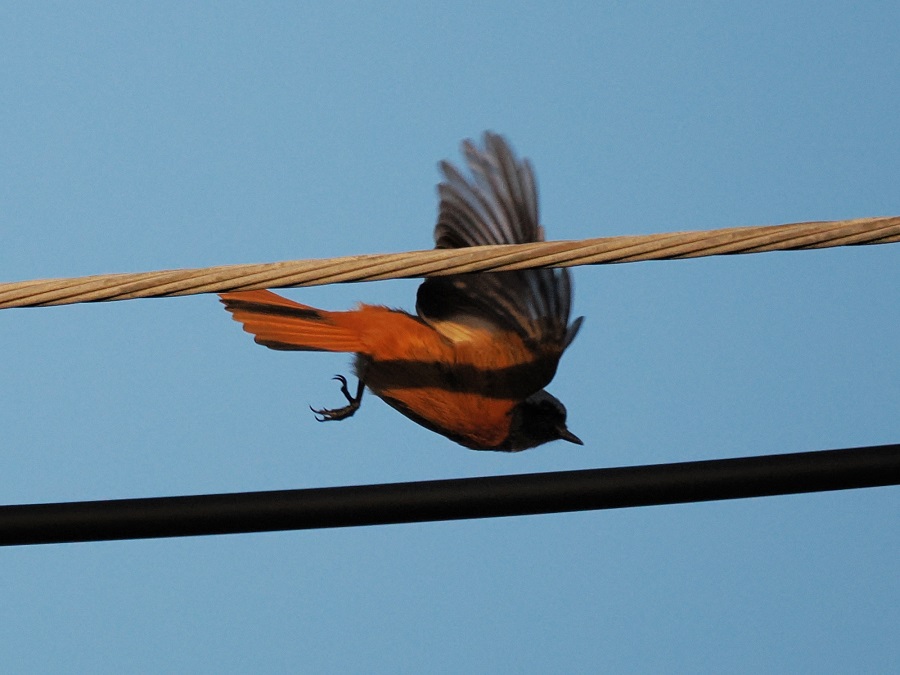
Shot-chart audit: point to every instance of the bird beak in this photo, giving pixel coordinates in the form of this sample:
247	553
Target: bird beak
567	435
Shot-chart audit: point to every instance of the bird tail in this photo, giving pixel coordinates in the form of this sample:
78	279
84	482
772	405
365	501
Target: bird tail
279	323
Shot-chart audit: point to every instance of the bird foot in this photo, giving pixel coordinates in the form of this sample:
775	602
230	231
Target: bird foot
332	414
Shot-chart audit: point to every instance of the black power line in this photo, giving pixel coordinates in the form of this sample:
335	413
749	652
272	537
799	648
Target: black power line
451	499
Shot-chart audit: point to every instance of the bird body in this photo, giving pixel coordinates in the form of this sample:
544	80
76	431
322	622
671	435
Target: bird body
473	362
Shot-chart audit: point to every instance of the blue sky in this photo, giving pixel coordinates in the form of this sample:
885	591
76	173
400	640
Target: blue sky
137	137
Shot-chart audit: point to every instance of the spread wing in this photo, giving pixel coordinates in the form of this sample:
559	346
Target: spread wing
497	205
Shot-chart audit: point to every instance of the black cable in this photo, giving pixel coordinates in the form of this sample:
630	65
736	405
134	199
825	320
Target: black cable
451	499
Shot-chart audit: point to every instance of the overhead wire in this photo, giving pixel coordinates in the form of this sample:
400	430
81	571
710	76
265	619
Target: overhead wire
440	262
456	499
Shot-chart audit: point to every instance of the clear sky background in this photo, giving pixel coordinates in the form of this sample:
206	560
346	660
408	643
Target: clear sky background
137	137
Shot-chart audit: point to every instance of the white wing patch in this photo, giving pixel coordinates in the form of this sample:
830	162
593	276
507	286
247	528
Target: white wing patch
466	329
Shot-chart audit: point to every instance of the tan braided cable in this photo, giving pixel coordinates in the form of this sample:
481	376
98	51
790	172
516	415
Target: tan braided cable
375	267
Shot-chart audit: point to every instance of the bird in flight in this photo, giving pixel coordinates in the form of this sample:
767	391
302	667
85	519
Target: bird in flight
472	363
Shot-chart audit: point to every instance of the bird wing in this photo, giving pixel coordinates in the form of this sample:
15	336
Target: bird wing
497	205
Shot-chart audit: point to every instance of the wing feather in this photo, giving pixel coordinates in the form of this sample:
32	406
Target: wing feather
498	204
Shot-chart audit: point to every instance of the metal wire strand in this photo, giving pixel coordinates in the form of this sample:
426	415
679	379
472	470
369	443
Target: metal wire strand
376	267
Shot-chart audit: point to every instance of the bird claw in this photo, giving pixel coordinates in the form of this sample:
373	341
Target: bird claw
353	403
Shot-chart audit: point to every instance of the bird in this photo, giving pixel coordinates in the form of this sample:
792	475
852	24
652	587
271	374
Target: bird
471	364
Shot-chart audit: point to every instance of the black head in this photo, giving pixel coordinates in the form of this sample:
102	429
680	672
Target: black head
539	419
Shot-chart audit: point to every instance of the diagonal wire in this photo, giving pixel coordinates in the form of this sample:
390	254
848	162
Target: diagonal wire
880	230
457	499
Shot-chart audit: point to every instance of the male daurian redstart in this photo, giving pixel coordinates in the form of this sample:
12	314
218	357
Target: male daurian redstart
472	363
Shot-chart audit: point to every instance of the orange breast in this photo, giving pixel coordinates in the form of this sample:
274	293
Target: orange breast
469	419
462	389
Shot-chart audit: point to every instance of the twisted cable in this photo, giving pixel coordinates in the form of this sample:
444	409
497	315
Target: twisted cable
296	273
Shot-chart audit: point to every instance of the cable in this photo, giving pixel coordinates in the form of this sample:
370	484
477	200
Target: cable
439	500
450	261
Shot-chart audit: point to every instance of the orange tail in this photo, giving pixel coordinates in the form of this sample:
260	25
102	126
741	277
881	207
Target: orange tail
279	323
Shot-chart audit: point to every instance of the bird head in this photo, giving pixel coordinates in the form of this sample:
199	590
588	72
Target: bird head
539	419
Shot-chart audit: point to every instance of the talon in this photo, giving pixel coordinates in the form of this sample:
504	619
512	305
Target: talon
344	390
353	402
